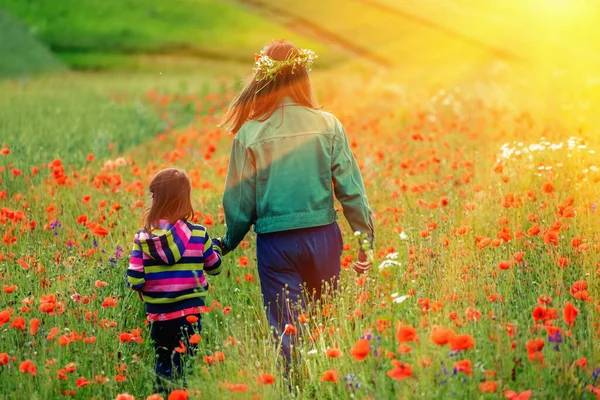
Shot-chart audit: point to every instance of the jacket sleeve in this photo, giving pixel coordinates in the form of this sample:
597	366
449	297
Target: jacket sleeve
136	277
349	186
239	198
212	256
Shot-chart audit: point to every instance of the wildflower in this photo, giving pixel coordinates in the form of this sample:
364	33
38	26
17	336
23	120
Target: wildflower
333	353
10	288
181	349
400	371
461	342
511	395
18	323
155	396
463	366
5	316
195	338
538	313
237	387
579	290
100	231
570	313
406	333
329	376
265	379
179	395
81	382
441	336
4	359
289	329
124	396
360	350
488	387
28	367
109	302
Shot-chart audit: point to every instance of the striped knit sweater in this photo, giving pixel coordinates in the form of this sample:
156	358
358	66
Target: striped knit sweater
167	267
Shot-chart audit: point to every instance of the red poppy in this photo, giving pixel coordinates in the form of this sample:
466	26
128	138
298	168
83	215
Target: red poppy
333	353
265	379
579	290
195	338
441	336
488	387
400	372
406	333
464	366
511	395
570	313
28	367
289	329
179	395
538	313
81	382
360	350
462	342
181	348
34	324
329	376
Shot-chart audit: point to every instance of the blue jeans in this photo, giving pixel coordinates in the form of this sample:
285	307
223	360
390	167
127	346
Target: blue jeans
293	265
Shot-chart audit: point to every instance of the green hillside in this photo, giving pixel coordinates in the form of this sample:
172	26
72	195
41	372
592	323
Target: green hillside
91	33
20	53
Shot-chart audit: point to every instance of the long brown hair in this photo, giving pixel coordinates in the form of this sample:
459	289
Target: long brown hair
171	191
260	98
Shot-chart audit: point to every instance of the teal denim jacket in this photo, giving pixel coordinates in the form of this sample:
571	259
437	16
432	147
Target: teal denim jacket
281	172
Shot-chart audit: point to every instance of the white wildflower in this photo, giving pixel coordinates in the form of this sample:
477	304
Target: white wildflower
388	263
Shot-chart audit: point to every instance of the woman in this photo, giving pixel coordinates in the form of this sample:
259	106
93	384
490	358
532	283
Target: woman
285	156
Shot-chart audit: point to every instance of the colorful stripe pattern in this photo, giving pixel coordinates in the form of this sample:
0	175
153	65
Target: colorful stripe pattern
167	266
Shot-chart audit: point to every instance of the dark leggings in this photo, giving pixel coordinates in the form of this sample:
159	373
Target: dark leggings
168	363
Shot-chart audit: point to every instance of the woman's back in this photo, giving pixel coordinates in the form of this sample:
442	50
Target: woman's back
291	153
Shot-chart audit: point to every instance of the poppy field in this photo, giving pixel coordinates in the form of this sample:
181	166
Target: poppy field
484	284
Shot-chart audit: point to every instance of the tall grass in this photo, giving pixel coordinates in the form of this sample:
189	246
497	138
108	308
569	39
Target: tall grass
449	209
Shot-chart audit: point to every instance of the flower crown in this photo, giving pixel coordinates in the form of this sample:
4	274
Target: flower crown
270	68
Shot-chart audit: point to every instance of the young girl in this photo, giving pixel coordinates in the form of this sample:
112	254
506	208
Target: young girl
169	258
285	156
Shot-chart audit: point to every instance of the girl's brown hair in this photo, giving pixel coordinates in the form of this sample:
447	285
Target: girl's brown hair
171	191
259	99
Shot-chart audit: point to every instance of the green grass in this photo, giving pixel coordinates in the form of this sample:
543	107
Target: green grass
414	153
70	115
206	28
20	53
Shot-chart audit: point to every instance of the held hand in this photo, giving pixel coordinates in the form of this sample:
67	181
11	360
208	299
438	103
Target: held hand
363	264
219	242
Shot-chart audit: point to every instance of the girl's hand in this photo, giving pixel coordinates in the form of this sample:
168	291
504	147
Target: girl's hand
363	264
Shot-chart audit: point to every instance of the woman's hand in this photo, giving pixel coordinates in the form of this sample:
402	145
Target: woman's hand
363	264
219	242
